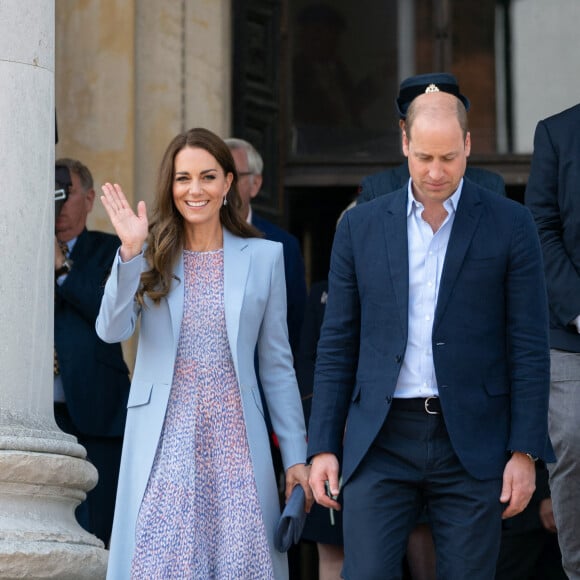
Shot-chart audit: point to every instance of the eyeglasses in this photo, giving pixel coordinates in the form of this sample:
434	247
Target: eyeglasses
244	173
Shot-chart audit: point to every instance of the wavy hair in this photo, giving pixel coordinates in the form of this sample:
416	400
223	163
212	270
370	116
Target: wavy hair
166	230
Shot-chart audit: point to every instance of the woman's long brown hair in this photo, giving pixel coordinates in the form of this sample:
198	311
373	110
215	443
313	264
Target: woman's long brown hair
166	230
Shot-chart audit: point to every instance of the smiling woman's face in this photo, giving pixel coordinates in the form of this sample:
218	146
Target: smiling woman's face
199	186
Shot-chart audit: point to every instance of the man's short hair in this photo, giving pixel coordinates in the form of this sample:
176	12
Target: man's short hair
78	168
255	161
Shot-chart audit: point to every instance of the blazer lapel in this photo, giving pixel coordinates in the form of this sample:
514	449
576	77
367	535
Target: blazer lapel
395	227
464	226
236	268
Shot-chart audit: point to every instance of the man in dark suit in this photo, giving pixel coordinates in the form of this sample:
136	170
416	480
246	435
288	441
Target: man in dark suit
519	532
91	381
432	375
250	165
392	179
553	196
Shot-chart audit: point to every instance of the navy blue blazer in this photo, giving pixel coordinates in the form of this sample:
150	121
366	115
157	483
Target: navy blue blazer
94	374
553	196
296	293
372	186
490	332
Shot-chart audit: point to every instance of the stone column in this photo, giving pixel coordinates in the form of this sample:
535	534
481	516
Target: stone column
43	473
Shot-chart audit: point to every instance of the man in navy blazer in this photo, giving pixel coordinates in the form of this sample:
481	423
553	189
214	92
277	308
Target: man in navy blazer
553	196
432	375
91	382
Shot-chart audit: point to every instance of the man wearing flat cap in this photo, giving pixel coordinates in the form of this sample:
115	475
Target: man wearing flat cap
432	374
391	179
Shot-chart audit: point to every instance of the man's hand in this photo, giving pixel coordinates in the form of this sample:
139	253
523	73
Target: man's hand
547	515
325	468
519	483
298	475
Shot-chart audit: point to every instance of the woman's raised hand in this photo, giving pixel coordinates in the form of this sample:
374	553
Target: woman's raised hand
131	228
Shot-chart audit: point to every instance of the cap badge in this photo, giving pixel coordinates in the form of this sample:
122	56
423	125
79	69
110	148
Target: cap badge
432	88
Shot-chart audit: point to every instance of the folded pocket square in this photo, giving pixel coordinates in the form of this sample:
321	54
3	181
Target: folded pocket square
289	528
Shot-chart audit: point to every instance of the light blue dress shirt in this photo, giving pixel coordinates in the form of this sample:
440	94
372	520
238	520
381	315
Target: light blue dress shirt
426	259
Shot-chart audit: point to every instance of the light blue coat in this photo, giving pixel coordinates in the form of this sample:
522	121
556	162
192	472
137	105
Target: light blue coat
255	311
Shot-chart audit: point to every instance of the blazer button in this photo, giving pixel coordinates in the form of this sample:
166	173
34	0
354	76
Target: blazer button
398	358
389	400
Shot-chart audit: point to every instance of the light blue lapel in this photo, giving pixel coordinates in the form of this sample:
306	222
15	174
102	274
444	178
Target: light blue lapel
175	299
395	225
466	219
236	268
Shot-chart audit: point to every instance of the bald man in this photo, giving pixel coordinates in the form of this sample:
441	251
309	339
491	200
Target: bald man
432	377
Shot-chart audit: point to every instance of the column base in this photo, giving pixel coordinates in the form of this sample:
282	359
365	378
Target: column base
39	535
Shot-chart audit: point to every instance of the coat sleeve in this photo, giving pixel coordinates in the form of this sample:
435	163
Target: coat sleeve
277	374
119	309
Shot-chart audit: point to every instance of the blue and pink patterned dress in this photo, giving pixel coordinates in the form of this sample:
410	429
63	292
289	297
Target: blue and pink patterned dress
200	517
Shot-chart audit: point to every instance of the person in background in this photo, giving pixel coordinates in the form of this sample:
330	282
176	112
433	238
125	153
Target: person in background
431	383
197	493
91	379
552	195
249	165
372	186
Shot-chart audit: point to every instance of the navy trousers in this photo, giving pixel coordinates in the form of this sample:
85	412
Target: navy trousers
411	467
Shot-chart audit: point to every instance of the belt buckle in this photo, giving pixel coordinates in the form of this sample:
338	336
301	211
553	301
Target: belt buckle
427	410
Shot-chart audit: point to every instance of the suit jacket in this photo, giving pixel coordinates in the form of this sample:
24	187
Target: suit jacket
552	194
372	186
489	339
94	375
255	312
294	268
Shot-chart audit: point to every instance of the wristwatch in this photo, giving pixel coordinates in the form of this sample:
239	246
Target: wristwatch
65	268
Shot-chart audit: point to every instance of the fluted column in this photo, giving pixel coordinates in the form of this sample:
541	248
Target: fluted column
43	472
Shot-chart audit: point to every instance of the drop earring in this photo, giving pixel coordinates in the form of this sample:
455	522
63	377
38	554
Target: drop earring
225	200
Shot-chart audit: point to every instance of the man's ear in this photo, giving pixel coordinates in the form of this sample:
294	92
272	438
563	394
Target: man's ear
467	144
256	185
404	139
90	199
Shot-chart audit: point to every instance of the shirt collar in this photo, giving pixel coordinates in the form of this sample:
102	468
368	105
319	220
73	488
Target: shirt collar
450	204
